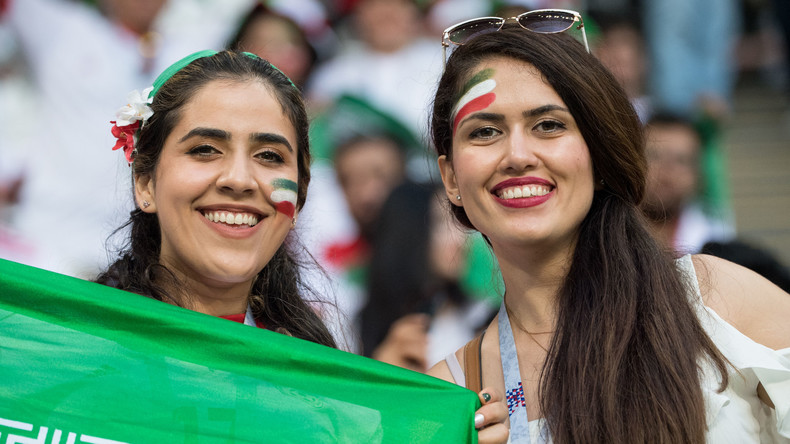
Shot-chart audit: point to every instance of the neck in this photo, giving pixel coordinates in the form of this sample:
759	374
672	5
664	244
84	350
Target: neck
532	282
219	306
211	298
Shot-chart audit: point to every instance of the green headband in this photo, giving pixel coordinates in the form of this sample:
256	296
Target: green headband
179	65
133	116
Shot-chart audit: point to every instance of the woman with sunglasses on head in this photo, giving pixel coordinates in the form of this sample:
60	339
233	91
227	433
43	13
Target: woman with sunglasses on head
602	336
220	162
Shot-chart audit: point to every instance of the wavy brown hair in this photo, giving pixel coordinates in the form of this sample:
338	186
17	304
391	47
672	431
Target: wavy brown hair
276	295
624	363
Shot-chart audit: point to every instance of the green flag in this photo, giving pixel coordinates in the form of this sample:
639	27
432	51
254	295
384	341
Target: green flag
85	363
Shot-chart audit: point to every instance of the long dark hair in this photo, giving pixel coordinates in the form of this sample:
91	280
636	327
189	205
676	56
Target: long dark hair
275	297
623	363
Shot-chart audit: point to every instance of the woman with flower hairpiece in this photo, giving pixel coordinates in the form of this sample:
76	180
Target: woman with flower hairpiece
602	336
220	161
220	158
80	58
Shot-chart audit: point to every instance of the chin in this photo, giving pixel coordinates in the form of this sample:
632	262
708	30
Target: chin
234	274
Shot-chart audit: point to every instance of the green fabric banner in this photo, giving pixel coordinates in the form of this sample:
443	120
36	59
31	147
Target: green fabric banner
84	363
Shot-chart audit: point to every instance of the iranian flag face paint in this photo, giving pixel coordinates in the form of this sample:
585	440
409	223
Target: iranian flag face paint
476	95
284	196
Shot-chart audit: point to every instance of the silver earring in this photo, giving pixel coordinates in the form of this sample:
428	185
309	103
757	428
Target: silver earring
457	197
146	204
293	222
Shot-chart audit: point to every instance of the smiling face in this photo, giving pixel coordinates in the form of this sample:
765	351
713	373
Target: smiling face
519	162
224	188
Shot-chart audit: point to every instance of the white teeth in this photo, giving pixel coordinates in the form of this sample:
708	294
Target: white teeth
525	191
231	218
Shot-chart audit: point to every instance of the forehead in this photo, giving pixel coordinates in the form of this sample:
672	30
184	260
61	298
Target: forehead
245	98
516	81
237	105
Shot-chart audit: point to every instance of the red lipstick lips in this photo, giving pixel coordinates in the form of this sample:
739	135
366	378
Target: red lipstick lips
523	192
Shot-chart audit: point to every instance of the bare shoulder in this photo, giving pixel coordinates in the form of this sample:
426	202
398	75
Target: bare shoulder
442	371
747	301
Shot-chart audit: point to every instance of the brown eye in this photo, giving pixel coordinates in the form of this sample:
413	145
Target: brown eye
270	156
486	132
203	151
549	126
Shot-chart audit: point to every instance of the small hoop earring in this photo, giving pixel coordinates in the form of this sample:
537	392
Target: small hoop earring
293	222
146	204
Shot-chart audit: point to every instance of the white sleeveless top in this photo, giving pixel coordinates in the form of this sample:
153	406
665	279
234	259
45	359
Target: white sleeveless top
735	415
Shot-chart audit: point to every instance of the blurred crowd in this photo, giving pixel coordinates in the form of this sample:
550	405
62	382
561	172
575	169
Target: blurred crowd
409	285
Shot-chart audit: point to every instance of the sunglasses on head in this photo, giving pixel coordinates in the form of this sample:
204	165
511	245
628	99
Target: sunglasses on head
542	21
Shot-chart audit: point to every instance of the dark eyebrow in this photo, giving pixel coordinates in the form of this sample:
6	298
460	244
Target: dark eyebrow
210	133
270	138
493	117
496	118
218	134
543	110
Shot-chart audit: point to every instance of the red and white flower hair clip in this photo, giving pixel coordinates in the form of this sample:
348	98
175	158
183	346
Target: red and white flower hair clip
129	119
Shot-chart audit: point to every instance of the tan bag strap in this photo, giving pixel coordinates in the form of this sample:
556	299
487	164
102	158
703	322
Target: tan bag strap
473	365
763	395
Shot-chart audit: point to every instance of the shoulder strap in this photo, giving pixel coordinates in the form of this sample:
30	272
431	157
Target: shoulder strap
473	364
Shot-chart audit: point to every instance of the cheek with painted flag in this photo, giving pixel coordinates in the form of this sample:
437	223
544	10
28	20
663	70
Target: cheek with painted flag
284	196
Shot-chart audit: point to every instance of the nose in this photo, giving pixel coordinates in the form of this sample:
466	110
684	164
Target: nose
520	154
236	175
